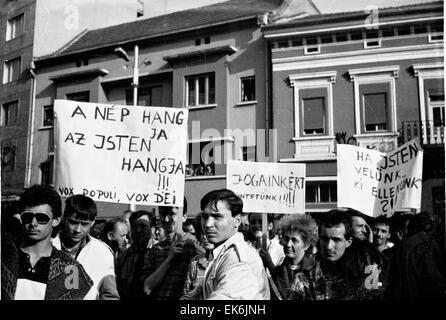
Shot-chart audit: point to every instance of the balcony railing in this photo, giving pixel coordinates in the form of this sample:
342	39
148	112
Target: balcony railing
430	133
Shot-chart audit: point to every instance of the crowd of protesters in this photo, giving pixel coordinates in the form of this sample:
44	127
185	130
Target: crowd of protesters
221	253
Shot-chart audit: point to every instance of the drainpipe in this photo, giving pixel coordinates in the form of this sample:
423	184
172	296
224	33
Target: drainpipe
267	94
30	140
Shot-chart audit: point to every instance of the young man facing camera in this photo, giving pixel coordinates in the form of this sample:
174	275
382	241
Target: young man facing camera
235	269
35	270
96	257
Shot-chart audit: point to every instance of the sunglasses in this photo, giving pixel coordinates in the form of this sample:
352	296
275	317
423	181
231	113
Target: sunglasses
41	218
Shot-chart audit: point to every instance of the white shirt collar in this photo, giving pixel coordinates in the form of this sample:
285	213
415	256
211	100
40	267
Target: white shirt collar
236	238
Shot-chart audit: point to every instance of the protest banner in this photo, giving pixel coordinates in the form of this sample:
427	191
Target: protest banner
268	187
376	183
121	154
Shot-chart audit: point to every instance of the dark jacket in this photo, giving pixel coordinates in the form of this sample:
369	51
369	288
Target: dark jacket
58	276
297	287
418	269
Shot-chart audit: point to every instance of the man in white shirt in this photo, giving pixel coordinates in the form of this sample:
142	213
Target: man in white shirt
235	270
94	255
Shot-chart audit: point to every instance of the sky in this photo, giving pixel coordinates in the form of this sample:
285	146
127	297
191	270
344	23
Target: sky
154	8
332	6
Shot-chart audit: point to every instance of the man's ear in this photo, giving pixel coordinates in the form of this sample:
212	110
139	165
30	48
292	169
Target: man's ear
92	223
270	226
56	221
349	242
109	236
238	220
184	218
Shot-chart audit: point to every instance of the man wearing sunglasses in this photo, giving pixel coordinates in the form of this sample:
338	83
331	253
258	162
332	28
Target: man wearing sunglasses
94	255
34	269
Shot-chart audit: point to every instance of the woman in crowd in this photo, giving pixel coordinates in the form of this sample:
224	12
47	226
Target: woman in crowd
291	278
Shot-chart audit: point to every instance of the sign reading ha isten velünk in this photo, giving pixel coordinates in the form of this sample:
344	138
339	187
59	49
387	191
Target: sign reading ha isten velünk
121	154
376	183
268	187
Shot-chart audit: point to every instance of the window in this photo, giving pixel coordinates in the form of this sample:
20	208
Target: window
321	192
297	42
327	38
403	30
341	37
375	107
48	116
388	32
8	114
197	42
202	157
375	102
283	44
436	108
372	39
313	106
420	28
200	90
79	96
46	171
313	115
249	153
356	35
248	89
12	70
207	40
8	158
15	27
147	96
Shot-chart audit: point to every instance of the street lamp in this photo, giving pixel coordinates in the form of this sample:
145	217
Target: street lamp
120	52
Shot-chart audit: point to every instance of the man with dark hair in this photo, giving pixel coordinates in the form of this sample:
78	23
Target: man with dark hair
235	269
381	235
269	247
345	269
35	269
360	227
96	257
166	263
115	235
131	260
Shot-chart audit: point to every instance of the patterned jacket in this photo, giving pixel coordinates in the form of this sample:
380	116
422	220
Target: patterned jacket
60	273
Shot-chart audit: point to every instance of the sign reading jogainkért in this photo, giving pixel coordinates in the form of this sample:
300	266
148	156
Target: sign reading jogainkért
122	154
376	183
268	187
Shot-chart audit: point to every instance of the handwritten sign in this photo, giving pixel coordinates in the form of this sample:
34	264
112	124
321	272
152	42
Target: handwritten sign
268	187
376	183
122	154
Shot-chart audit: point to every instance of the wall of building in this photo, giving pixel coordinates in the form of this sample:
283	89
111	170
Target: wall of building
15	134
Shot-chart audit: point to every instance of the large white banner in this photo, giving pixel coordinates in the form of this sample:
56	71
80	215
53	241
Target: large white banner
121	154
376	183
268	187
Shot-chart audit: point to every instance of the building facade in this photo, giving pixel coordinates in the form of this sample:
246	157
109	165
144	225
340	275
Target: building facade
376	81
210	60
